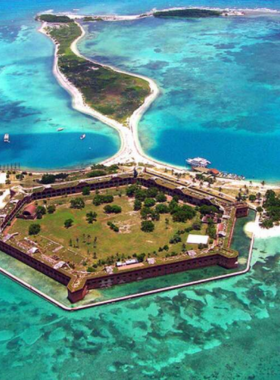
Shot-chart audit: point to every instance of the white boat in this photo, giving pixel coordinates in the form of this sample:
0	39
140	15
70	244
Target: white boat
6	138
198	161
60	129
82	137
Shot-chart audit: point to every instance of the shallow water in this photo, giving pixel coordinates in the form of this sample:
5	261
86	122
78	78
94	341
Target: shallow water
219	82
224	331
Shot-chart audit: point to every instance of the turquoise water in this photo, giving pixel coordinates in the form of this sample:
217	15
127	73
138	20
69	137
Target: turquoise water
219	82
224	331
240	242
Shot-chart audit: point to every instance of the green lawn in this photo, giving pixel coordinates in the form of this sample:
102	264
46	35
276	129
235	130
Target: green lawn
128	241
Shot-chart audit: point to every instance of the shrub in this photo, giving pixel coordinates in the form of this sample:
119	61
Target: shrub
149	202
77	203
100	199
114	209
162	209
113	226
130	190
86	190
34	229
68	223
137	205
91	217
152	192
147	226
161	197
96	173
51	209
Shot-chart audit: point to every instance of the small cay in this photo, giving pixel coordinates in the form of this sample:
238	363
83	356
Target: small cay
112	93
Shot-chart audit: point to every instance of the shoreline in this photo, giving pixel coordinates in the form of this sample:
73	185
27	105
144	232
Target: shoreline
131	296
254	228
130	150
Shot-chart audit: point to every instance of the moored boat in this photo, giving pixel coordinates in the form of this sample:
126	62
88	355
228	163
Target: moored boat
198	161
6	138
82	137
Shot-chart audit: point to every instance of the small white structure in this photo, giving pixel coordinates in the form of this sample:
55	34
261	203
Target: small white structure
33	250
197	239
151	260
3	177
192	253
59	265
131	261
109	269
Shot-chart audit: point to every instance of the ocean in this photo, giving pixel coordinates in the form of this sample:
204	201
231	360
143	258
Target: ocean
219	98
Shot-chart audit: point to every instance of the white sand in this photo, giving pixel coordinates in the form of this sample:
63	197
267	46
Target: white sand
253	228
130	150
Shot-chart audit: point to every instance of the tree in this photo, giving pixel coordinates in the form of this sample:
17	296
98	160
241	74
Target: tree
47	178
51	209
91	217
162	209
77	203
268	223
147	226
259	209
137	205
130	190
152	192
252	197
40	210
149	202
34	229
100	199
161	197
68	223
114	209
86	190
141	194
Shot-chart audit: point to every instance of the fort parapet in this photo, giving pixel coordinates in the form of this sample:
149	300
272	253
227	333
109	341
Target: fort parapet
78	286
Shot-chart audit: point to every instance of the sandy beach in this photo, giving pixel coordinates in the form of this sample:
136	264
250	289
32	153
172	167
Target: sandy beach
261	233
130	149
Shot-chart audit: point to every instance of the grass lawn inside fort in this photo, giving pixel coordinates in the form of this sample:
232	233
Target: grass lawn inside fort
84	244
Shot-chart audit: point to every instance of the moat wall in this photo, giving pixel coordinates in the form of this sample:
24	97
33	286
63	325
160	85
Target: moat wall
118	278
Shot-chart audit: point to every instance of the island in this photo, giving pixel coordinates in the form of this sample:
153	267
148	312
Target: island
109	92
188	13
117	228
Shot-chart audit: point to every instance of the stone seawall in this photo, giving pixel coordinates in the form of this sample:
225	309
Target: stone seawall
151	272
34	263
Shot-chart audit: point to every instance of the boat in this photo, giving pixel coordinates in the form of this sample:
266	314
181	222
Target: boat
82	137
198	161
60	129
6	138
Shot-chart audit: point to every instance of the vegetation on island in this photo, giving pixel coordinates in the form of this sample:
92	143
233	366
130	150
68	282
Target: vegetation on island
271	213
54	18
187	13
114	94
114	225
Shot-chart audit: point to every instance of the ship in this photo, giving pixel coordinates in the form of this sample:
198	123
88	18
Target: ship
6	138
82	137
60	129
198	161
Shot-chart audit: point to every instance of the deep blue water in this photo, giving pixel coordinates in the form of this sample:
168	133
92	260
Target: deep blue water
221	331
65	150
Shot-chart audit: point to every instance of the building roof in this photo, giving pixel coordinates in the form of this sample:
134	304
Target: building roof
30	209
214	171
197	239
